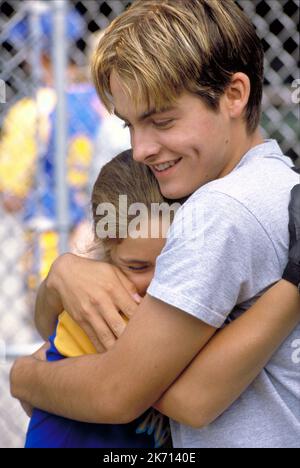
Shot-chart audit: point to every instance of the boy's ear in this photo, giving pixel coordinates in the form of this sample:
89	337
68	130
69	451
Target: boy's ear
237	95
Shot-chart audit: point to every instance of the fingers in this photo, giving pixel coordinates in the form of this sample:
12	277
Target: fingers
128	285
114	320
103	323
98	332
126	297
125	302
97	298
91	333
111	318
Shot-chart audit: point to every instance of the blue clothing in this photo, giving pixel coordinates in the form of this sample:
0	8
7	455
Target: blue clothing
84	121
21	31
151	430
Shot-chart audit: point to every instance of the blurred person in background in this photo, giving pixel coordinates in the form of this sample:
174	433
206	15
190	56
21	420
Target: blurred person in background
112	137
27	145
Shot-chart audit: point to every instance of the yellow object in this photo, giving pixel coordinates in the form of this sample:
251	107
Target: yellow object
26	127
71	340
48	252
26	124
79	160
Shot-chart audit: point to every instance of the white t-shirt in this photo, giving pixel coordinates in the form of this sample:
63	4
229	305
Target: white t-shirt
227	245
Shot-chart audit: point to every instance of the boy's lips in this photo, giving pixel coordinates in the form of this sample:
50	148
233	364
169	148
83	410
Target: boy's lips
164	169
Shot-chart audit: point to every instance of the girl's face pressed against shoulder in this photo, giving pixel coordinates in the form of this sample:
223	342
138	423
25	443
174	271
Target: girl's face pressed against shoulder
136	258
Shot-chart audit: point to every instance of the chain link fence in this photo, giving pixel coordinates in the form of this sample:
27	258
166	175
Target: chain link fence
29	112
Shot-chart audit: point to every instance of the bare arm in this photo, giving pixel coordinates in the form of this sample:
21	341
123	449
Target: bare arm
217	376
26	371
119	385
47	308
232	359
235	356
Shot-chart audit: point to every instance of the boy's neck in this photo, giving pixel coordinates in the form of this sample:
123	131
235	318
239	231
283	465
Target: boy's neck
241	146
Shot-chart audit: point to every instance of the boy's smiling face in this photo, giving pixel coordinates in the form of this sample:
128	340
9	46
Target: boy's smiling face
185	145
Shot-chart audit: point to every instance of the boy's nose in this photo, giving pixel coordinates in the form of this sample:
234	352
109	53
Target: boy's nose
144	148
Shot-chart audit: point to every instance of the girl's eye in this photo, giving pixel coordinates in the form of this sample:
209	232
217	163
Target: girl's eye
141	268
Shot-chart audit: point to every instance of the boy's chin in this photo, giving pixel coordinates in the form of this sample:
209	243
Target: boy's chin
175	193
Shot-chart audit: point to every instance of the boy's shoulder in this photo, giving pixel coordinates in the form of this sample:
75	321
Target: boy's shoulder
250	202
262	178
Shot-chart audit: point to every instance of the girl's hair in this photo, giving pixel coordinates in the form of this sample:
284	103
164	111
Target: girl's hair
161	48
122	176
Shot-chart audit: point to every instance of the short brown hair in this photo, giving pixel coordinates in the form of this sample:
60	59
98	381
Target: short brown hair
123	176
165	47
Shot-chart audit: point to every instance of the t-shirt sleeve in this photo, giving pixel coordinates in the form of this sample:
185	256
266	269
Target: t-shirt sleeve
217	255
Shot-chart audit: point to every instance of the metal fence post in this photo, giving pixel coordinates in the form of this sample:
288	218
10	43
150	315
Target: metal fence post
60	68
